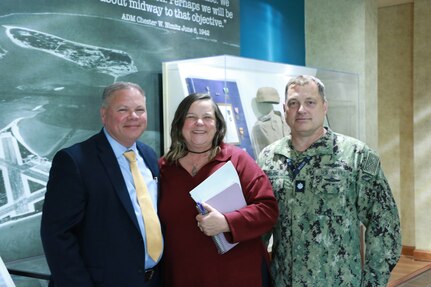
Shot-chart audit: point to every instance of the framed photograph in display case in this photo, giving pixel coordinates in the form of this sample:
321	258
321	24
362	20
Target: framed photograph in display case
232	132
226	94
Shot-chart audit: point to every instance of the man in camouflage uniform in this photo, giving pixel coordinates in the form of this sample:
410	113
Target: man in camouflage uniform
327	184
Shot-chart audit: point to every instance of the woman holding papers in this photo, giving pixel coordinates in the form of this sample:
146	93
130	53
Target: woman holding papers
197	151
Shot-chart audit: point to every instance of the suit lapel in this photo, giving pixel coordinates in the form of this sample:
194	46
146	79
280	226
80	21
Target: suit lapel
110	163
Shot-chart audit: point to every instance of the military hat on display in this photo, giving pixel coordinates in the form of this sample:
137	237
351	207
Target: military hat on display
267	95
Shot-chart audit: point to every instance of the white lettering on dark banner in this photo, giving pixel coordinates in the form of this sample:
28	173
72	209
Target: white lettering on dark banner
201	18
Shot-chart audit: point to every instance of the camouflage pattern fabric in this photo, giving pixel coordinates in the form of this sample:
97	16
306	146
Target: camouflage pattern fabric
339	184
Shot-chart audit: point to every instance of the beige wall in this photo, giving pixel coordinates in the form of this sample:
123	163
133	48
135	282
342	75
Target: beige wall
395	108
390	49
422	123
342	35
405	116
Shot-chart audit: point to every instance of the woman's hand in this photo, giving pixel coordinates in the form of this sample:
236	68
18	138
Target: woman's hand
213	222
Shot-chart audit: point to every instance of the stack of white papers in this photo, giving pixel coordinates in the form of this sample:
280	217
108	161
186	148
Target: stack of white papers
222	190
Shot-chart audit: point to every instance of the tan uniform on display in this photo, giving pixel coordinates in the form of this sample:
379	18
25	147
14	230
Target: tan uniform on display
272	126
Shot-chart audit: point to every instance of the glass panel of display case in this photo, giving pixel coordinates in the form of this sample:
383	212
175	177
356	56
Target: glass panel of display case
251	95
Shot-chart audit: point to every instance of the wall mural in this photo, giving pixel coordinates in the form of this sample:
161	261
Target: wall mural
56	56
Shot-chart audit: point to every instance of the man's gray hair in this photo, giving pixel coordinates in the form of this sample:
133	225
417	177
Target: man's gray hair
109	90
303	80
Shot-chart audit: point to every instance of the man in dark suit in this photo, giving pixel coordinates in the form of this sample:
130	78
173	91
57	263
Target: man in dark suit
92	229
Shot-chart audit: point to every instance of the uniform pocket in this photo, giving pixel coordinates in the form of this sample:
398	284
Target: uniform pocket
280	183
331	185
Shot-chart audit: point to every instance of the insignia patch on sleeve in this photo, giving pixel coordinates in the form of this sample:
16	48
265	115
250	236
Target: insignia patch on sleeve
371	164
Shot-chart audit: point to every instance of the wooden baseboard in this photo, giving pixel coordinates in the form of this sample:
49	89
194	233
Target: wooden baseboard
408	251
416	254
422	255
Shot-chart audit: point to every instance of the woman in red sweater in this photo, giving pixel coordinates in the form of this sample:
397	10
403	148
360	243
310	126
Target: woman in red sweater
197	151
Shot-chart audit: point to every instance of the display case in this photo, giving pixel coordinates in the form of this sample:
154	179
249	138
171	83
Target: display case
250	94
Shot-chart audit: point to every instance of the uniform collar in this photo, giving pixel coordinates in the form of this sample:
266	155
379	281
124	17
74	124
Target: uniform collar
323	145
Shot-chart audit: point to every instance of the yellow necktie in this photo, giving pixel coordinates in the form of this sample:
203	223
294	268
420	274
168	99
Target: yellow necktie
152	224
